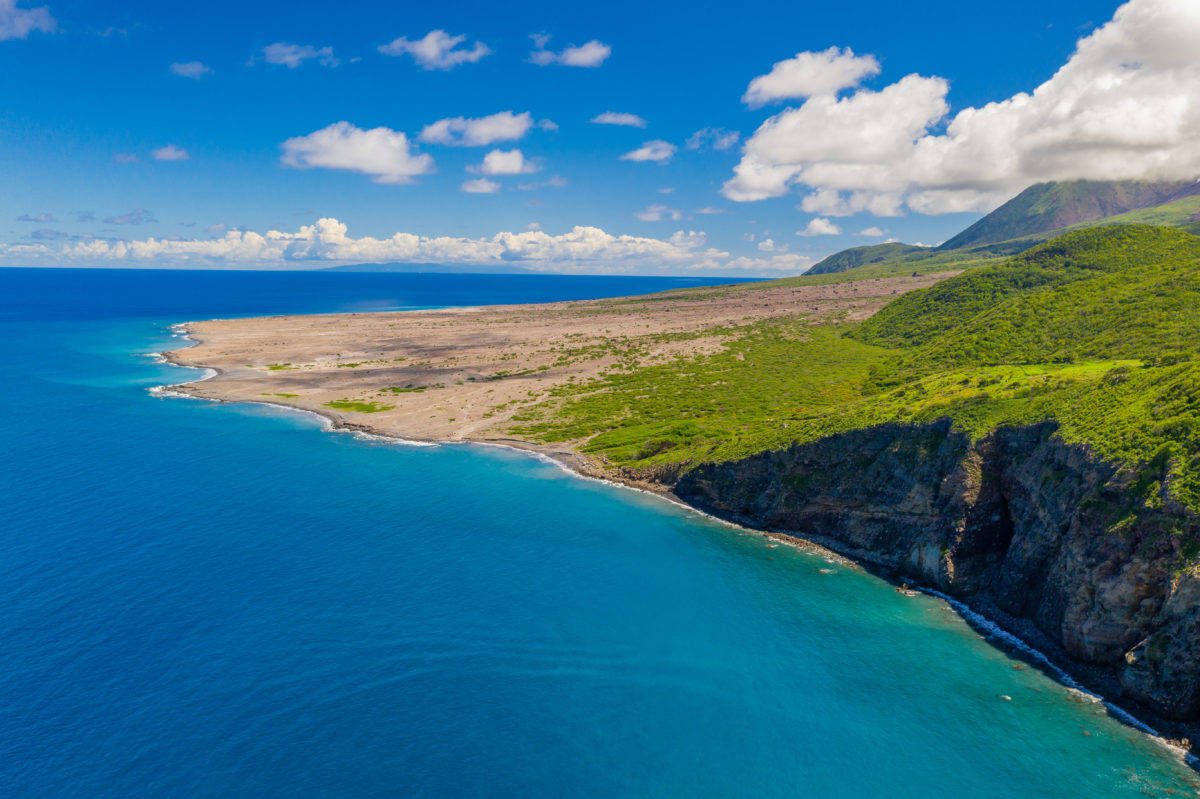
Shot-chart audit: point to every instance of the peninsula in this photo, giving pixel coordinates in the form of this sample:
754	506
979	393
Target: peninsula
1015	423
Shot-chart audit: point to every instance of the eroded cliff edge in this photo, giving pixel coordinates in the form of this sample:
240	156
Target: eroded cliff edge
1017	520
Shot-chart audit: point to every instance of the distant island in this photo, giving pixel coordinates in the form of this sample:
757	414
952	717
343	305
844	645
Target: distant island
1012	419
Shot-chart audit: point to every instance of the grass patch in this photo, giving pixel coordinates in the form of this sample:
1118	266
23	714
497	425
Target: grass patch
358	406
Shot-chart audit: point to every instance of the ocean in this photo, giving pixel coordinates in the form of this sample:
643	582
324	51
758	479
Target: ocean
222	600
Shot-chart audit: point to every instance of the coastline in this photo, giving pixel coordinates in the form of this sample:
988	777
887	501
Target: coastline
1006	633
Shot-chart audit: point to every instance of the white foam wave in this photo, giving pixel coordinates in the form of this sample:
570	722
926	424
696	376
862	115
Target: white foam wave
993	630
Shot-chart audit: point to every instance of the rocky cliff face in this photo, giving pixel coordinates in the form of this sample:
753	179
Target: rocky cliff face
1038	528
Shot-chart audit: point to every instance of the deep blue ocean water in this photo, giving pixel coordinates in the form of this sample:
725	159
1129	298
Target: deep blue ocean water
202	600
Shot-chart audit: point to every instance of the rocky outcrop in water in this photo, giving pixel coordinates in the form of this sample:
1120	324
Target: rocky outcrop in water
1037	528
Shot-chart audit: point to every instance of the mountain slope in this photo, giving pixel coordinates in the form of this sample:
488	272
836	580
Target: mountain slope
1051	206
858	256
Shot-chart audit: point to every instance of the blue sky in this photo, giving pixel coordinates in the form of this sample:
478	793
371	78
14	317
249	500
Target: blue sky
95	124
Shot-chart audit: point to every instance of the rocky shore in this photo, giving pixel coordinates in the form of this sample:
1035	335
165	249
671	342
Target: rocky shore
1050	542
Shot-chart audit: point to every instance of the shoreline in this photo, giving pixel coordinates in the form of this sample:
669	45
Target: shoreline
1075	676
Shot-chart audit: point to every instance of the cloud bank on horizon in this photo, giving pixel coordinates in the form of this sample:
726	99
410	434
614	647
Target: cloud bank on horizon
842	138
326	242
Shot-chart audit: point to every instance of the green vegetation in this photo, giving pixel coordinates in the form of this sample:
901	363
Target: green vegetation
285	396
275	367
1054	206
358	406
860	256
1036	215
1097	330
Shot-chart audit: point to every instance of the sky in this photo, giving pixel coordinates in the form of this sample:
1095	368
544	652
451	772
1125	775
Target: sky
643	138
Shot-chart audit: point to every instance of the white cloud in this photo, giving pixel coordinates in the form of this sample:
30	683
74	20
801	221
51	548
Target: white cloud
591	54
708	209
688	239
293	55
382	153
657	213
874	232
1126	105
819	226
478	132
769	245
583	249
656	150
552	182
170	153
810	74
481	186
714	138
437	50
190	69
534	226
666	190
619	118
505	162
782	263
18	23
139	216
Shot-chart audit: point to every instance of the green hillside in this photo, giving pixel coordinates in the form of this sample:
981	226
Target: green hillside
1038	214
858	256
1053	206
1096	329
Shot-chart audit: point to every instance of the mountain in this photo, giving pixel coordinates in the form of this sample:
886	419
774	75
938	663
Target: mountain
858	256
396	266
1052	206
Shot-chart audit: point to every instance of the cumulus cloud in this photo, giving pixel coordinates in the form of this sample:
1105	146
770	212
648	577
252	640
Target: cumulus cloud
591	54
170	153
505	162
437	50
42	218
18	23
293	55
656	150
781	263
1125	105
873	232
190	69
139	216
657	213
382	153
712	138
708	210
552	182
810	74
619	118
481	186
582	249
820	226
478	132
769	245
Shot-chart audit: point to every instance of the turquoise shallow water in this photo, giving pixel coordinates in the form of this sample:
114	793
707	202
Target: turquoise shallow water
220	600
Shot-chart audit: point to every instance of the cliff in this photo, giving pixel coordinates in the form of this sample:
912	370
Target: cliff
1016	520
